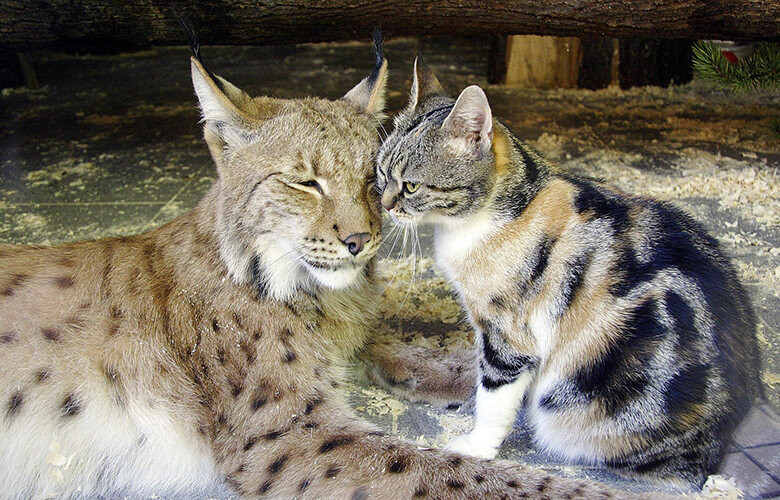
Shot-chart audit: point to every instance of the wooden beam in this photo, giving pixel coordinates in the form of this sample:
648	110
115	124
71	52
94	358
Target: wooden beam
654	62
139	23
598	60
543	62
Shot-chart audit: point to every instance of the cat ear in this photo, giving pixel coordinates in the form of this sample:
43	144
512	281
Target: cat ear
369	94
470	121
424	84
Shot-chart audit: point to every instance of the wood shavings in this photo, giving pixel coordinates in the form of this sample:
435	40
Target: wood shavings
423	442
549	145
60	463
452	425
381	403
413	291
752	187
58	171
771	379
452	340
721	487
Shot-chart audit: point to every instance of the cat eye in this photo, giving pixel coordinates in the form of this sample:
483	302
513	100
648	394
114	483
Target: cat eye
411	187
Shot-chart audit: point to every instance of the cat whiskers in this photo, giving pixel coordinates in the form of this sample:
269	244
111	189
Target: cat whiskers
383	134
415	248
398	232
395	233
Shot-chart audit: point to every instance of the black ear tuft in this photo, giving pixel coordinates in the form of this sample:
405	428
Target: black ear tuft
192	37
379	51
378	45
369	94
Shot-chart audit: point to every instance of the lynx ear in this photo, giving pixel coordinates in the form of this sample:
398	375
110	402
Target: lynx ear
220	101
369	94
424	84
470	121
227	111
224	121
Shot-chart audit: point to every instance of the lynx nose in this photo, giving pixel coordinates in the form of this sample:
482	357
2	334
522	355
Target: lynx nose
356	241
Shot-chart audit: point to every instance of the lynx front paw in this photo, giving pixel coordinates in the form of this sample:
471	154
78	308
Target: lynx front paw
469	444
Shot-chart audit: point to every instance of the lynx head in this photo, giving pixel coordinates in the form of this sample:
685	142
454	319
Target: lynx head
297	203
437	164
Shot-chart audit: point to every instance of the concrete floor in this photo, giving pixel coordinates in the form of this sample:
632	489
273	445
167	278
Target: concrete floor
111	146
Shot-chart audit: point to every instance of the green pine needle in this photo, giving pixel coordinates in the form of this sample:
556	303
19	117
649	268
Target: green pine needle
761	71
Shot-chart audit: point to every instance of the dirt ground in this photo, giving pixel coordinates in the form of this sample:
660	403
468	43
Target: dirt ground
110	145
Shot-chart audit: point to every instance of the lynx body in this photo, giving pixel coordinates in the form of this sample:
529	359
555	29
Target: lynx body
209	350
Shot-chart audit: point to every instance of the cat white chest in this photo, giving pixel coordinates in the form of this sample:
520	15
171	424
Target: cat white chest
454	244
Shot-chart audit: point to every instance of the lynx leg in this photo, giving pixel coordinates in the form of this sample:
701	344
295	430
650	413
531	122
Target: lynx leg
325	452
421	374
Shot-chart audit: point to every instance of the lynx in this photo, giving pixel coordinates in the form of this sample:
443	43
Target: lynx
210	350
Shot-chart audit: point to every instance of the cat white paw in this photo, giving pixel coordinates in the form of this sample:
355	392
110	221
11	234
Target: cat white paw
468	444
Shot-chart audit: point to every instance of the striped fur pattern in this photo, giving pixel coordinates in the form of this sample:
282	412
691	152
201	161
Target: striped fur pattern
210	350
615	320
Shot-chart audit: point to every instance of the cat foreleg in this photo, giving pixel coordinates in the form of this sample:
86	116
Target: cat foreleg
496	410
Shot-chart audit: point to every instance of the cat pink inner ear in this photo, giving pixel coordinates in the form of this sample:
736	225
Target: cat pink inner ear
471	118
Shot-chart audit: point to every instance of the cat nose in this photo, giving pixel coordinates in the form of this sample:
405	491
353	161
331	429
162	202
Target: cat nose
388	201
355	242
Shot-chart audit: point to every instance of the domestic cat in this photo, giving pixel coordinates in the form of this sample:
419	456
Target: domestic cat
209	350
615	320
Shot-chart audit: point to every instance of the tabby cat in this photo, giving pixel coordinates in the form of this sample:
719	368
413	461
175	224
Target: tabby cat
209	350
615	320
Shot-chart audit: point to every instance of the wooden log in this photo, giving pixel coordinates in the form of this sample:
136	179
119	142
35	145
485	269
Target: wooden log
654	62
138	23
543	62
596	66
28	71
497	59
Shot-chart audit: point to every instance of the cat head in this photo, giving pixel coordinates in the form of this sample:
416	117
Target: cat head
437	164
295	191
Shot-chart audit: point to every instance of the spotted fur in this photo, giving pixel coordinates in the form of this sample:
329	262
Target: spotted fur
207	350
617	319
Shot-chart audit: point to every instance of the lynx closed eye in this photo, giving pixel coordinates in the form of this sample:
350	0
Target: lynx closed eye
312	184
